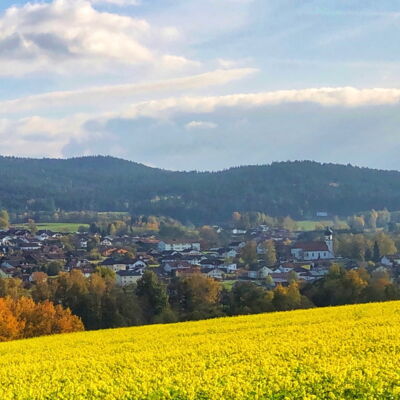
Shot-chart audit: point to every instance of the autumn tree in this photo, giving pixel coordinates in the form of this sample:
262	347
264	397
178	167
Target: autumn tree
270	253
23	318
195	297
356	223
386	244
248	253
32	226
4	219
209	236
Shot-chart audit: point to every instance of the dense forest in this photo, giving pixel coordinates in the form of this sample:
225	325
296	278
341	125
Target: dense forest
298	189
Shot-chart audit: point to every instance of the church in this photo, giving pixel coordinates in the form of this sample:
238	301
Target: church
313	251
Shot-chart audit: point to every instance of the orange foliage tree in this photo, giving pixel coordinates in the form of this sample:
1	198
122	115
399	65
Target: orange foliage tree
23	318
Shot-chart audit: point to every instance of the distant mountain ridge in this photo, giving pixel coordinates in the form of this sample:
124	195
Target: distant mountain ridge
100	183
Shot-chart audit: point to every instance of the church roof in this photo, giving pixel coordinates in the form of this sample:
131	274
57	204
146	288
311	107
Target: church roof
311	246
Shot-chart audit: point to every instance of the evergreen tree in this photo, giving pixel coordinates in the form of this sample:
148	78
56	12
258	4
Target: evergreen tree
376	253
153	296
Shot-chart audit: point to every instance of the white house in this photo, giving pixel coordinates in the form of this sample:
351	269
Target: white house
390	261
137	264
177	246
106	242
127	277
264	272
216	274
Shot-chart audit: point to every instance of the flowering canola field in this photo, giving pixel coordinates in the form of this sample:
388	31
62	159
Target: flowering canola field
350	352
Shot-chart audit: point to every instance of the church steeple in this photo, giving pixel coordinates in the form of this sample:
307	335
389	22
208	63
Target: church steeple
329	239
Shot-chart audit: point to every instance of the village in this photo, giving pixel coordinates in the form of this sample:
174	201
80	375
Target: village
266	256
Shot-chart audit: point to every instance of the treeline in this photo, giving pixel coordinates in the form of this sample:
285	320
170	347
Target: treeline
100	303
296	188
340	287
372	220
366	246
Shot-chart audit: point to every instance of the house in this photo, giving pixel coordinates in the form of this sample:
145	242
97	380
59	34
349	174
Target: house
171	266
264	272
391	261
29	246
237	231
236	245
252	274
43	235
136	264
227	253
106	242
128	277
279	278
228	268
177	246
115	265
214	273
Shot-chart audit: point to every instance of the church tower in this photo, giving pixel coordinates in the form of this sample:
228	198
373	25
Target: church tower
329	239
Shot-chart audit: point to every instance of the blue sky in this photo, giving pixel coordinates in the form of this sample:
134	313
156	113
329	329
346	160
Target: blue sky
201	84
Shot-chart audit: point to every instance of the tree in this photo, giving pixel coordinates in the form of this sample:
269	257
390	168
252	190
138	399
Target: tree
23	318
53	268
32	226
371	219
106	273
236	219
12	287
386	244
289	298
153	297
383	218
289	224
209	236
356	223
248	254
10	327
247	298
270	253
376	253
195	297
4	219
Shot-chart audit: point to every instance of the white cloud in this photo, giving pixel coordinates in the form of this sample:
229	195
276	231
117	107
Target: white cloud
70	35
110	96
38	137
327	97
200	125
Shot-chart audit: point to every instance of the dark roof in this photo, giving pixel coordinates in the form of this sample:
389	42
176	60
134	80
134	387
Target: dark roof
129	273
311	246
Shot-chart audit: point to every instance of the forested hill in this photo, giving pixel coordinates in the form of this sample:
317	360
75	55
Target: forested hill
298	189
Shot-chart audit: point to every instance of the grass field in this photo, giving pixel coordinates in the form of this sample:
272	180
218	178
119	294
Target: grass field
350	352
58	226
309	225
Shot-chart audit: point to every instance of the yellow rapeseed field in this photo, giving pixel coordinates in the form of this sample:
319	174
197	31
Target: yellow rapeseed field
350	352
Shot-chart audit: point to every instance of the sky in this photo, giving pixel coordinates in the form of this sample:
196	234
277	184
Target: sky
202	84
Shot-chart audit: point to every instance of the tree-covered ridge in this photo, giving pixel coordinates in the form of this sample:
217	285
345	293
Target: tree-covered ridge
298	188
